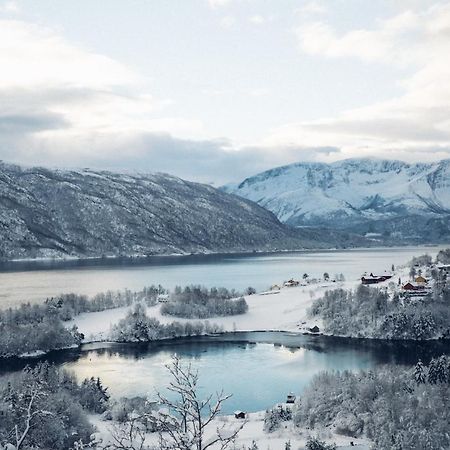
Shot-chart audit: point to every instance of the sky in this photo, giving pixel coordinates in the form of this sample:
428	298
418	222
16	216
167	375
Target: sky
218	90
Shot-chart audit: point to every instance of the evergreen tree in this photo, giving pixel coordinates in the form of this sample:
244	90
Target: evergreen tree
442	370
433	372
419	373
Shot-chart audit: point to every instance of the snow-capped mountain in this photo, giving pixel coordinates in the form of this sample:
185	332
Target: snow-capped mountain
47	212
362	195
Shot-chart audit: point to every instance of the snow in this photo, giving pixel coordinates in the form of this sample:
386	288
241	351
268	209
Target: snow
253	431
96	325
34	354
315	193
285	310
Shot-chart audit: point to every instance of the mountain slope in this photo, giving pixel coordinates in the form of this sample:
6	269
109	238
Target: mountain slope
360	195
93	213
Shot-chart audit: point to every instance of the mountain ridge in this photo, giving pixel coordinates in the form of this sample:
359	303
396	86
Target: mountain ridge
93	213
359	195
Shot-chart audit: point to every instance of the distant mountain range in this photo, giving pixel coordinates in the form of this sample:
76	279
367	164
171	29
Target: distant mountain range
55	213
390	200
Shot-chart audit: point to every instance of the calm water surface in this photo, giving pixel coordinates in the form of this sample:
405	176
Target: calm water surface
35	281
260	369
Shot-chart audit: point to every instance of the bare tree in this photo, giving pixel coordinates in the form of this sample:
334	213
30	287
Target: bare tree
187	423
130	435
30	411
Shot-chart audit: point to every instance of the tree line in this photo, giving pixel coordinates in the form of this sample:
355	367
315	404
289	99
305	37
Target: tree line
369	312
396	407
202	303
45	407
138	327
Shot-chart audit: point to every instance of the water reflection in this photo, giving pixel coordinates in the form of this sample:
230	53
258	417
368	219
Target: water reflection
258	368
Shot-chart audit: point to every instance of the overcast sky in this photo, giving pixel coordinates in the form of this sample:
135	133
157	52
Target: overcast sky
217	90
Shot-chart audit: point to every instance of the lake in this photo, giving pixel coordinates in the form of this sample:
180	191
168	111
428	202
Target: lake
258	368
34	281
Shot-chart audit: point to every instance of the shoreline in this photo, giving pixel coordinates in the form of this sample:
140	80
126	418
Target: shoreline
70	258
37	354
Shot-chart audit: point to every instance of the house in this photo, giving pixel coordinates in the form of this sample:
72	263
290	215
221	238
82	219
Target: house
290	398
163	298
291	283
413	289
275	287
240	415
314	329
421	280
374	279
413	286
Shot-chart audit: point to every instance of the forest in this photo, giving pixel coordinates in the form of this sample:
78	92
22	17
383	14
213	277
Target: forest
371	312
398	408
34	327
198	302
138	327
40	328
45	407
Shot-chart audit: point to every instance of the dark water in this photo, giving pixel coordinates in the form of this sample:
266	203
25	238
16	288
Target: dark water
35	281
258	368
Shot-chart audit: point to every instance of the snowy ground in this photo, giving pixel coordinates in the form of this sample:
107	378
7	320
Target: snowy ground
284	310
254	431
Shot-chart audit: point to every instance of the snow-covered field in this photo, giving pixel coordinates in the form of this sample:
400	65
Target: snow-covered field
254	431
284	310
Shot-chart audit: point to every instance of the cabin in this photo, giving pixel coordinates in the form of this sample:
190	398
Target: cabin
291	283
314	329
290	398
275	287
421	280
163	298
240	415
413	289
412	286
375	279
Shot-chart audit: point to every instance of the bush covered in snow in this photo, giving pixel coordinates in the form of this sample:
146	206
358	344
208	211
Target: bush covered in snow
397	408
316	444
32	328
275	417
45	408
138	327
48	333
67	306
369	312
443	256
202	303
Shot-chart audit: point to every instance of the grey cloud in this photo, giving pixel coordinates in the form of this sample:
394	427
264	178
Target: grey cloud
214	161
29	123
209	161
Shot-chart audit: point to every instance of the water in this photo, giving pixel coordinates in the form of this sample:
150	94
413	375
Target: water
35	281
259	369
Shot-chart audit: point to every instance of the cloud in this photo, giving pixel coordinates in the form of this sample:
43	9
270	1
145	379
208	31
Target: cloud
209	161
312	8
10	7
257	20
228	21
61	96
218	3
414	125
62	104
